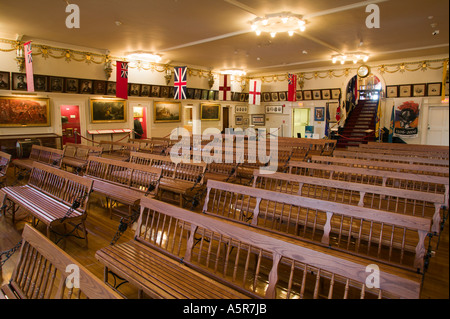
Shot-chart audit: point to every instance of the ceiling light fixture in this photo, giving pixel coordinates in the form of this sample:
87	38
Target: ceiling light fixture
351	56
277	23
143	56
236	72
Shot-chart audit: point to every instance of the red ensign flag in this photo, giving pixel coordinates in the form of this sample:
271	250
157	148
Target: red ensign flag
292	87
122	80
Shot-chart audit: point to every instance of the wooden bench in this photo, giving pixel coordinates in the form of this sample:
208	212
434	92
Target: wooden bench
76	156
408	149
177	253
123	182
402	201
382	236
151	145
182	179
382	165
45	271
118	150
360	154
52	196
5	160
41	154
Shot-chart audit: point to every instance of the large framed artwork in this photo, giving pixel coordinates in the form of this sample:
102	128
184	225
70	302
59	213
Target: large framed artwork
108	111
27	111
210	112
319	114
167	112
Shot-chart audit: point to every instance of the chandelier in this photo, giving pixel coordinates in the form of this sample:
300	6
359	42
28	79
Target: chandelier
278	23
143	56
351	56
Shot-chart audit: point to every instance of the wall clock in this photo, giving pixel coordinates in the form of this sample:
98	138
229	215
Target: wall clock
363	71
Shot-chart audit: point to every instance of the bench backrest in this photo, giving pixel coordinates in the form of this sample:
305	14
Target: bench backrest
121	147
262	264
45	271
409	202
61	185
81	151
5	160
131	175
404	152
47	155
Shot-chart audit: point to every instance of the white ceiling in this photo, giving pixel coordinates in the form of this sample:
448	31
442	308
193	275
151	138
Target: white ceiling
216	33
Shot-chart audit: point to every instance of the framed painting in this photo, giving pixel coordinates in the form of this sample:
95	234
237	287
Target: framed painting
155	91
145	90
108	111
274	96
405	90
317	95
5	83
391	91
326	94
165	91
282	96
266	96
238	120
167	112
258	119
111	88
20	112
134	89
19	81
335	94
319	114
434	89
86	87
210	112
190	93
274	109
197	94
211	95
307	95
100	87
299	95
419	89
56	84
73	86
40	83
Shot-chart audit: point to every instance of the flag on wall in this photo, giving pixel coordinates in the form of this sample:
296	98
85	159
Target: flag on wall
292	87
254	92
122	80
406	117
391	126
225	87
327	121
180	82
338	113
29	66
378	120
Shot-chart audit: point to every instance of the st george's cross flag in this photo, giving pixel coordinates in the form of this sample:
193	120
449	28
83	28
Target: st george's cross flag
180	82
254	92
292	87
122	80
225	87
29	66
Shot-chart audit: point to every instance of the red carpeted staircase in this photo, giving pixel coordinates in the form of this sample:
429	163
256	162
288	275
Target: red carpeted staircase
361	119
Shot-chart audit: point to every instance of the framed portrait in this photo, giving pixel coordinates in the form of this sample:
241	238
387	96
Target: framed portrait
56	84
266	97
335	94
391	91
205	94
282	96
211	95
241	97
100	87
405	90
108	111
419	89
167	112
274	109
274	96
86	87
19	112
164	91
307	95
434	89
40	83
239	120
210	112
111	88
245	121
5	83
319	114
317	95
241	109
258	119
326	94
19	81
155	91
299	95
197	94
134	89
171	92
145	90
189	93
73	85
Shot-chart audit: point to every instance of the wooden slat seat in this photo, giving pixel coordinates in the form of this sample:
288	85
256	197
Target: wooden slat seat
43	272
5	160
177	253
76	155
41	154
118	150
50	196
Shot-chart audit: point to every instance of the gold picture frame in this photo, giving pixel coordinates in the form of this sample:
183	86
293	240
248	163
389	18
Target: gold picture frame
210	112
108	110
166	112
25	111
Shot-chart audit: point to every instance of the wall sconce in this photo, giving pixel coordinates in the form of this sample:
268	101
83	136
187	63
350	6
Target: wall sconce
168	75
211	80
20	58
108	67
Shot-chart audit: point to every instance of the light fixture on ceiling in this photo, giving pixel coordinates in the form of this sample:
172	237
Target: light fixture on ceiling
278	22
143	56
235	72
351	56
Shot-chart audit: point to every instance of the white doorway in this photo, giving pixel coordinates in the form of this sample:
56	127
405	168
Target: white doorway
438	123
300	118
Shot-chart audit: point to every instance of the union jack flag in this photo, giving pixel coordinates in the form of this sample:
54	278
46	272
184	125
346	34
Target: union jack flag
124	70
29	66
122	80
180	83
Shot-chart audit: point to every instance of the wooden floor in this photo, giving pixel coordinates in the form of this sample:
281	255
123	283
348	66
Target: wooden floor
102	229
